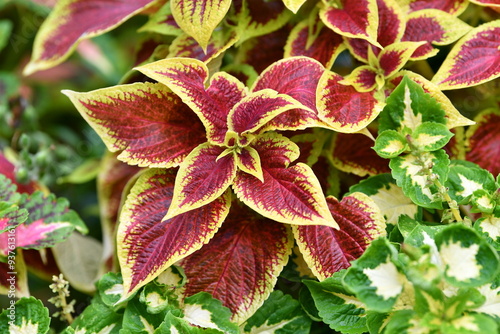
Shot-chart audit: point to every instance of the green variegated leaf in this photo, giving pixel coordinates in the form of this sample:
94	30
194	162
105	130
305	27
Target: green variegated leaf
431	136
155	297
490	227
465	178
390	144
5	30
491	305
203	177
143	232
473	60
138	120
204	311
375	278
176	325
97	318
471	323
452	116
390	198
482	201
72	21
468	259
199	18
291	195
110	288
138	319
408	106
340	309
412	175
279	314
26	316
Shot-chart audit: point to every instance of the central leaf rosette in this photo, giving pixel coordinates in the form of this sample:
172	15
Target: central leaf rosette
236	145
240	149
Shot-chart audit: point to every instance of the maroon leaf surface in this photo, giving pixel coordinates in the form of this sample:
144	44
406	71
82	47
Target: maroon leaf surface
147	244
327	250
240	265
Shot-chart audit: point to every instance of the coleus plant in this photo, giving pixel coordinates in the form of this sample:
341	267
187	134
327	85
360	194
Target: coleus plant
235	155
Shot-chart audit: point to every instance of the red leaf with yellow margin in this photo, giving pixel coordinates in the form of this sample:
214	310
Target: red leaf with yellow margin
483	141
391	25
353	153
147	244
290	195
474	59
298	78
146	122
74	20
257	109
204	176
327	250
454	7
342	107
317	41
186	46
112	181
353	19
186	78
199	18
433	26
241	263
487	3
14	276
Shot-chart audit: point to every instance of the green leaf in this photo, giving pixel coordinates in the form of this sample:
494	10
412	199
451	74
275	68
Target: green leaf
465	179
469	260
279	314
401	322
390	144
412	173
176	325
5	30
431	136
374	277
470	323
207	312
137	319
98	318
338	308
110	288
154	296
27	315
407	107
